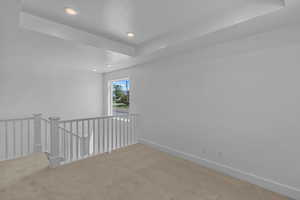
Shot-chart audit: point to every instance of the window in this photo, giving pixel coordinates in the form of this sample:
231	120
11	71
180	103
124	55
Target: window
119	97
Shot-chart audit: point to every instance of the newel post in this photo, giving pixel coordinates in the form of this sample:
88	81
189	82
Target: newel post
54	158
37	132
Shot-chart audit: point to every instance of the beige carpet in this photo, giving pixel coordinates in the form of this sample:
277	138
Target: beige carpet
13	171
134	173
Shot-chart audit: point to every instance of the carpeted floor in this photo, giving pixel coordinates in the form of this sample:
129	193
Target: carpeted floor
137	172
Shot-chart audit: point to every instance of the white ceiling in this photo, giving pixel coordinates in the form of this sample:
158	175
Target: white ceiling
49	53
148	19
159	25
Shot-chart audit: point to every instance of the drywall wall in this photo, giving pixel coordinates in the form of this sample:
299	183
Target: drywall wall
45	80
9	20
42	74
233	107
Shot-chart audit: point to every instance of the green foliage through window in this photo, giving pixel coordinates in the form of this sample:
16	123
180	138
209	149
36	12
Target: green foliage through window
121	96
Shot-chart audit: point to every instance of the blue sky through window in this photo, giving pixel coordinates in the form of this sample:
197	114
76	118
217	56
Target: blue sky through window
125	84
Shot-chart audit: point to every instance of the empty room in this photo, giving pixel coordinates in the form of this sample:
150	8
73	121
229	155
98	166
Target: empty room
149	99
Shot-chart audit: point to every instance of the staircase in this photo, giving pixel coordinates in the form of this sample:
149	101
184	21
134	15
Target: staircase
65	141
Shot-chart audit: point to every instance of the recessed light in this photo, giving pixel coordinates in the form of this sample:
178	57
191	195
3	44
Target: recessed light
130	34
71	11
94	70
163	46
109	66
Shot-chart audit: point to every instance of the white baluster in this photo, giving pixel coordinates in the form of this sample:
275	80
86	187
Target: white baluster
46	136
115	133
14	138
71	141
99	134
88	139
119	132
124	131
105	130
104	135
108	135
112	134
94	136
135	129
28	136
65	141
82	140
37	132
21	132
54	158
6	139
77	140
127	130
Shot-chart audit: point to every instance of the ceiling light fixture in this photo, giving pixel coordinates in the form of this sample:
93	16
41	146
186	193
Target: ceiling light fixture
109	66
163	47
94	70
130	34
71	11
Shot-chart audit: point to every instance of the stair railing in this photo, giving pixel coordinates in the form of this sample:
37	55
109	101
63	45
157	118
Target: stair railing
20	136
68	140
86	137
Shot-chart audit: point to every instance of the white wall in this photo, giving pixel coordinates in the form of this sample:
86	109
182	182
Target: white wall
234	107
42	74
67	94
9	25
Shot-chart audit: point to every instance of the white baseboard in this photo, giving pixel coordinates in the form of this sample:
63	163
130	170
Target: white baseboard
271	185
